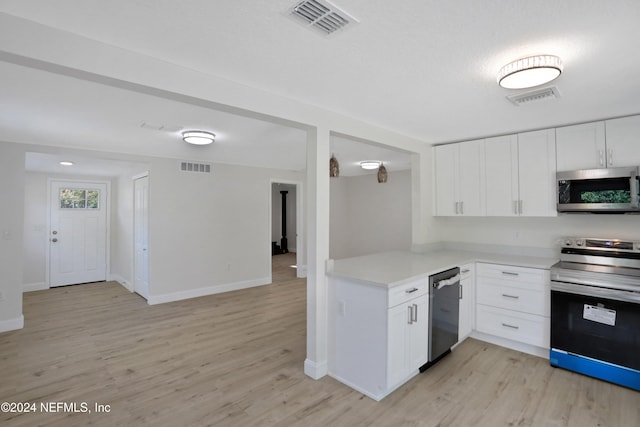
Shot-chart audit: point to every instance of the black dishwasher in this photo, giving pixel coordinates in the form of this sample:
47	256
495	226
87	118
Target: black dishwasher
444	309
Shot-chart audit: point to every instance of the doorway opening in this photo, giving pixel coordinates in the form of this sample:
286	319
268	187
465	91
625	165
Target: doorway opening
286	230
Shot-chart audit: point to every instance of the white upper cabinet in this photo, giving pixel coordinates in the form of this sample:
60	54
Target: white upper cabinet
520	174
446	165
501	157
605	144
581	147
537	173
459	173
623	142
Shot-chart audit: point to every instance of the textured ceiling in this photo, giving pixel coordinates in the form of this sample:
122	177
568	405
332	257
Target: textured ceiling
423	68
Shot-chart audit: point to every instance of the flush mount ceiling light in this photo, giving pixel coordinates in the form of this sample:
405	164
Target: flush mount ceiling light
66	163
370	164
198	137
530	72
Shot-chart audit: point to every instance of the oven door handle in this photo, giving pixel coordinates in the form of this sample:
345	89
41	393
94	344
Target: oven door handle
593	291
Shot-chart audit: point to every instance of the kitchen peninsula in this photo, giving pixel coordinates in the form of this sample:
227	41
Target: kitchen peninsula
378	305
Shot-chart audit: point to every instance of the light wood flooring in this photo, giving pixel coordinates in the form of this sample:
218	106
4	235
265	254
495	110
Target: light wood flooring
236	359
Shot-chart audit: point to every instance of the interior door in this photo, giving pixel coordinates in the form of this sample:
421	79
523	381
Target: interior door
78	233
141	236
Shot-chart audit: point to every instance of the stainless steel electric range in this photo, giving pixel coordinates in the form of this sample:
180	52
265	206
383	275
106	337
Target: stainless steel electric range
595	309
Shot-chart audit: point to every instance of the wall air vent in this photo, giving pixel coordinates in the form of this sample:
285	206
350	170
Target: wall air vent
534	96
195	167
321	15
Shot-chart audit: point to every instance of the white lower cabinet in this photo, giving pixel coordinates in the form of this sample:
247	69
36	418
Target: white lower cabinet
380	336
513	303
466	323
408	339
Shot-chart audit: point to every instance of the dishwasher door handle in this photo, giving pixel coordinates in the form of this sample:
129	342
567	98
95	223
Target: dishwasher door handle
447	282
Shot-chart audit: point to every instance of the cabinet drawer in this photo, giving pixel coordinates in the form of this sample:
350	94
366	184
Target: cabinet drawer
466	271
532	301
403	293
515	275
522	327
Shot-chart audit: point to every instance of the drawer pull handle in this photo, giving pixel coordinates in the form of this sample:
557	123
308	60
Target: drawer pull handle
506	325
509	273
511	296
412	290
465	271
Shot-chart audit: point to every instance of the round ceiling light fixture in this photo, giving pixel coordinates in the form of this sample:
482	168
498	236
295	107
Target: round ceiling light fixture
198	137
370	164
530	72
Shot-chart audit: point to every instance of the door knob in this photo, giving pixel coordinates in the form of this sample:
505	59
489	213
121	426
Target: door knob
54	240
54	232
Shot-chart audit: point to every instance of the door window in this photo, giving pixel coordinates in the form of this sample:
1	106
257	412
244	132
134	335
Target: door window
73	198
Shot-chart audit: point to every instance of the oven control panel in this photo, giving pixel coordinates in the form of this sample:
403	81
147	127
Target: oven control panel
593	243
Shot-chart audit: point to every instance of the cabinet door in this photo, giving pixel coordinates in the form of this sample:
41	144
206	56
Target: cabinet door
446	165
537	173
408	339
399	321
471	190
581	147
467	303
418	345
501	164
623	142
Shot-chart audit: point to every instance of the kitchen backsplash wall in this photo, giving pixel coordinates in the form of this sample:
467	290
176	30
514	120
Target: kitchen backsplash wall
542	233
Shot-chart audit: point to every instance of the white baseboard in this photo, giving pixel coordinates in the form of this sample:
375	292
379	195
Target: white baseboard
209	290
301	271
31	287
124	282
12	324
315	370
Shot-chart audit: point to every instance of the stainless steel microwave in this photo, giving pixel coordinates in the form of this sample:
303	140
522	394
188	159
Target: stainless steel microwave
613	190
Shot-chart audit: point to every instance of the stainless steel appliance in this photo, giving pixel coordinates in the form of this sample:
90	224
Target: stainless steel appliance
444	291
595	310
612	190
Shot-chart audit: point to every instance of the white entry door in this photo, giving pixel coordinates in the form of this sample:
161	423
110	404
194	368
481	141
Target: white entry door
141	236
78	234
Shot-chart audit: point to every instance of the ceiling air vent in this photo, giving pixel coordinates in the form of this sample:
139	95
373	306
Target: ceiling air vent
195	167
534	96
321	15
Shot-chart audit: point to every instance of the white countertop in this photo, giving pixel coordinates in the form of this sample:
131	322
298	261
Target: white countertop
389	269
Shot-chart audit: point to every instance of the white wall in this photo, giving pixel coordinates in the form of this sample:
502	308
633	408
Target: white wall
209	231
276	219
35	231
11	235
541	233
367	216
